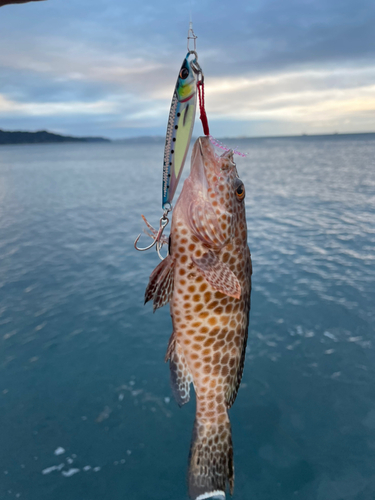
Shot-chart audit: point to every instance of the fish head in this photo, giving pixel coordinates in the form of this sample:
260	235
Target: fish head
187	79
214	195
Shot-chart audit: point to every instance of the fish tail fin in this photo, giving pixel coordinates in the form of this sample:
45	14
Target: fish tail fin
211	459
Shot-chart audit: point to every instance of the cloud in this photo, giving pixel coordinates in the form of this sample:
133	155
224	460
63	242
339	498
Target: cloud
8	107
294	95
113	66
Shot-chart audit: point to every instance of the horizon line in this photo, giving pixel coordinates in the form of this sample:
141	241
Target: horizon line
161	137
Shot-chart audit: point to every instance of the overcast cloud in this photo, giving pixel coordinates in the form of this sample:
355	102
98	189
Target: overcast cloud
108	67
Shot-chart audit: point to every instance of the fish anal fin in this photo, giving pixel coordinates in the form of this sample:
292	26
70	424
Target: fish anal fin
180	375
218	274
236	382
160	285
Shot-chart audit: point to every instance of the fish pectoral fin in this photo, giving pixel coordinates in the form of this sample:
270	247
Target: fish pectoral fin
218	274
160	285
180	375
206	223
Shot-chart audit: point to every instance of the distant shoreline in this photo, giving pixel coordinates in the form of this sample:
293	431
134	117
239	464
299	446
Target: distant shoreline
42	137
45	137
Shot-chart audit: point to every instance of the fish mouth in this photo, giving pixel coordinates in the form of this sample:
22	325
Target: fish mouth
228	155
205	162
204	158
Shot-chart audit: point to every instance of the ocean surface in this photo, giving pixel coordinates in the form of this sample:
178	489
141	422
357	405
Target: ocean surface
86	411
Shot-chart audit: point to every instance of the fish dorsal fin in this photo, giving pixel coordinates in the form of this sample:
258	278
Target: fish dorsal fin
207	224
160	285
180	375
218	274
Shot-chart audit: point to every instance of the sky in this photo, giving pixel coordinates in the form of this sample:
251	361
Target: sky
109	67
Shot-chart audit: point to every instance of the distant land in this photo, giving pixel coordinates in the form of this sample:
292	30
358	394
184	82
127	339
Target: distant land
42	137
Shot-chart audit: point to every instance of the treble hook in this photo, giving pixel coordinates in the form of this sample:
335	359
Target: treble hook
157	239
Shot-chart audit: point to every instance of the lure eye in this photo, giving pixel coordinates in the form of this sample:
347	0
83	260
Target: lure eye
240	192
184	73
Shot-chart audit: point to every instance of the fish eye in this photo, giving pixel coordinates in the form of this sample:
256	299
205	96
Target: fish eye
240	192
184	73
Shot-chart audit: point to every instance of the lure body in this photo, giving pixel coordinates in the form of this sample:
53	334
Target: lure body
180	127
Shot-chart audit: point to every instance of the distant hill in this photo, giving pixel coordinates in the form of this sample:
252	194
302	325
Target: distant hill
42	137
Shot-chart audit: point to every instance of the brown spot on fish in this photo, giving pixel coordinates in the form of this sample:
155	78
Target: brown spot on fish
209	342
216	358
224	320
203	315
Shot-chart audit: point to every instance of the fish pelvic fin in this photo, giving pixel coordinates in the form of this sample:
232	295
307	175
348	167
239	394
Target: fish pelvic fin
218	274
180	376
211	460
160	285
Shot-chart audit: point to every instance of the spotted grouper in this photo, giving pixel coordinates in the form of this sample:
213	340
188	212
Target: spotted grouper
206	277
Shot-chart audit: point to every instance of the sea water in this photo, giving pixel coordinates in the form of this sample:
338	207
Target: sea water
86	411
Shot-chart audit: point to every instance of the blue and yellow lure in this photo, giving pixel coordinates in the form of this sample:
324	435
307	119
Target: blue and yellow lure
180	126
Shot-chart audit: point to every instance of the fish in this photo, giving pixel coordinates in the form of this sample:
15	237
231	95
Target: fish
180	126
206	278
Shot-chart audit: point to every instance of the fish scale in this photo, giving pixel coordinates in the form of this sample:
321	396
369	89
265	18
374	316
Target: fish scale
207	276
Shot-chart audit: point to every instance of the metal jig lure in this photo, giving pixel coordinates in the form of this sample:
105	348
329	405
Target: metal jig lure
179	131
180	124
